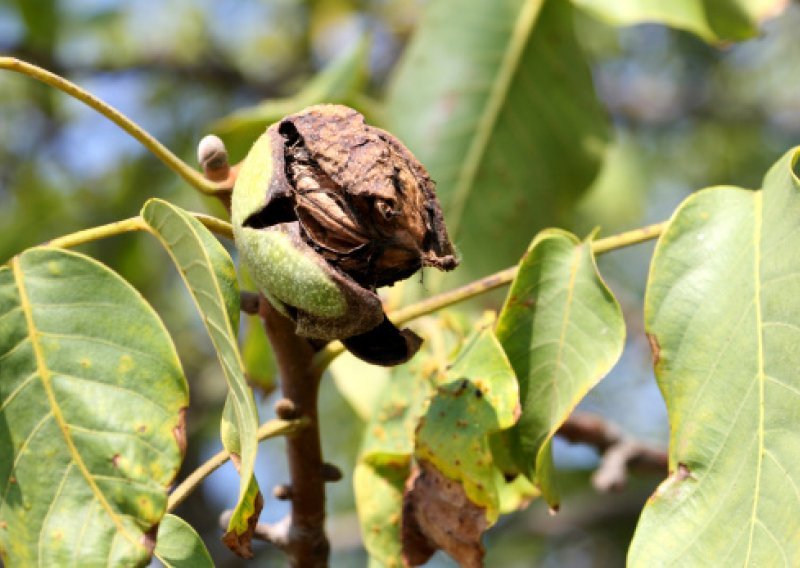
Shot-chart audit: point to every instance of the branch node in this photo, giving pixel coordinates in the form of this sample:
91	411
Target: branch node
282	492
286	409
249	302
331	473
619	454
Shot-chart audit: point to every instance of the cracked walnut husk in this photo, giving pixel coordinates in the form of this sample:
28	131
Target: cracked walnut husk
327	209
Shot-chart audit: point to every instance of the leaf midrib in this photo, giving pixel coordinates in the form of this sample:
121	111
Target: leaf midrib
46	377
486	123
565	321
758	198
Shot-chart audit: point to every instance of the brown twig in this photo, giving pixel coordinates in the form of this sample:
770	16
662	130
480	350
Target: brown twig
305	541
619	453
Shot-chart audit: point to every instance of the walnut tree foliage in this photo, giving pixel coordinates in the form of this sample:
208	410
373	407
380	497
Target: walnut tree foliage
494	105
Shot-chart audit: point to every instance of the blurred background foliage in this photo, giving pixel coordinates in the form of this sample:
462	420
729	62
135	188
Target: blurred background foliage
685	115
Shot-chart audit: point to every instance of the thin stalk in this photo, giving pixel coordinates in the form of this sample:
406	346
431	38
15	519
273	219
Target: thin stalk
98	233
218	226
487	284
269	429
189	174
628	238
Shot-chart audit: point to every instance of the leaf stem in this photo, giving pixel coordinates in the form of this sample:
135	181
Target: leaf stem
486	284
269	429
189	174
628	238
213	224
97	233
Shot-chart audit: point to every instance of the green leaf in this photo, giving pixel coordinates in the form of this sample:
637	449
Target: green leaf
210	277
179	545
259	359
385	459
360	383
496	99
378	486
91	414
711	20
723	315
563	331
479	398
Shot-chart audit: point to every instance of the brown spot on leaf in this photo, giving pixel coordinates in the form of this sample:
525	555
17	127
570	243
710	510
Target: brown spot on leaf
179	431
655	348
242	544
115	460
437	514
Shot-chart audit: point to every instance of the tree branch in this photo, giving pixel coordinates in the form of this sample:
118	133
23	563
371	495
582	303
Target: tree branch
306	543
619	453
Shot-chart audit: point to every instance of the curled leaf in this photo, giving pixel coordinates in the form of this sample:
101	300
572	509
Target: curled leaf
438	514
456	494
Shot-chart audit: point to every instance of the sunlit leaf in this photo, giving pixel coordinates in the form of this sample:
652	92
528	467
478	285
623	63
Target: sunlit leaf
210	276
710	19
179	545
723	315
563	331
496	99
91	414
